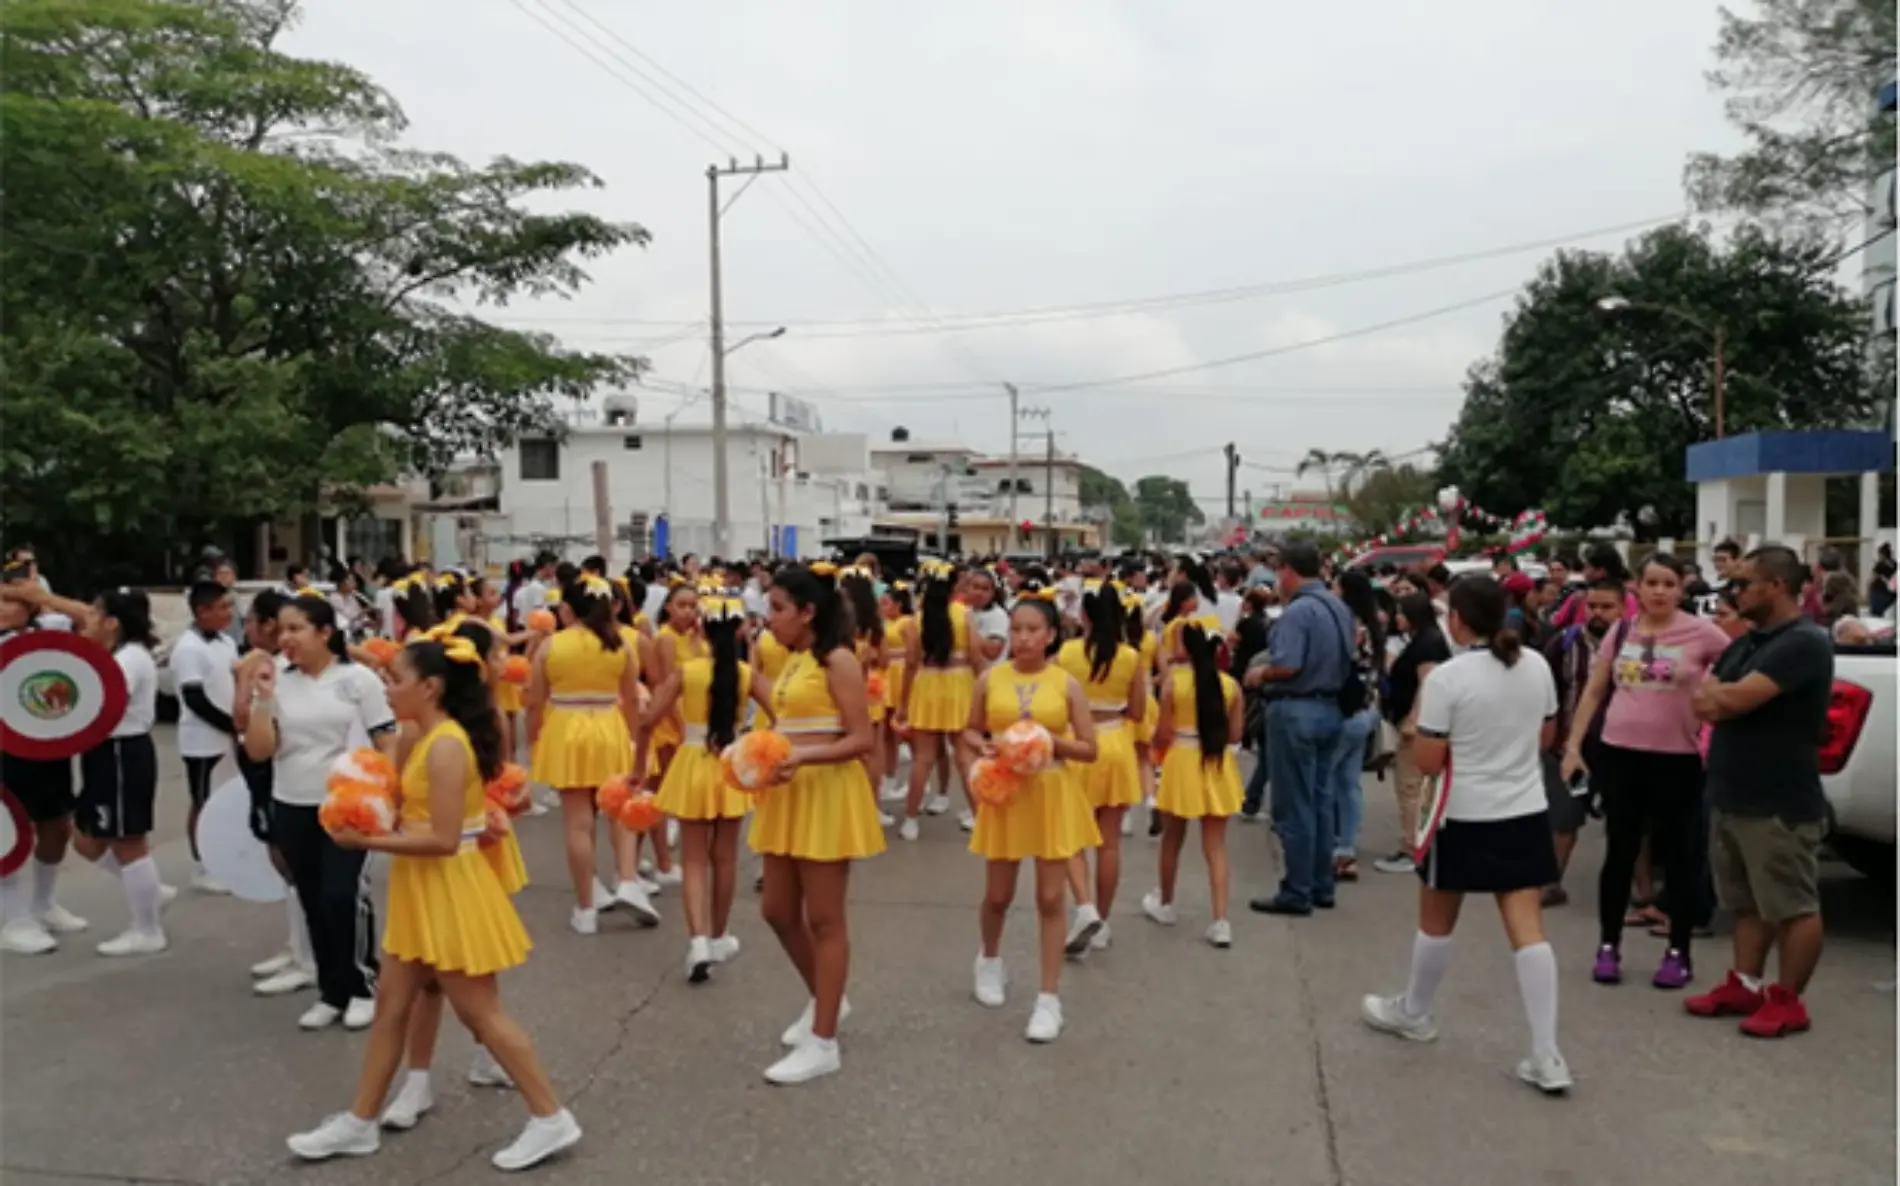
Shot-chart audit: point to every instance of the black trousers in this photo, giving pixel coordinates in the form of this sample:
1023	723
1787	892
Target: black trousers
1660	794
333	886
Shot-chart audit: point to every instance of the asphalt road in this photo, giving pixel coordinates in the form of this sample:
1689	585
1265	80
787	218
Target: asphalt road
1179	1064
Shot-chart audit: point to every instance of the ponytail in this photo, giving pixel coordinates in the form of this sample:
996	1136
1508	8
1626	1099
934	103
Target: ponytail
938	637
722	717
1480	603
811	587
465	699
1210	700
592	601
861	599
1178	597
1103	609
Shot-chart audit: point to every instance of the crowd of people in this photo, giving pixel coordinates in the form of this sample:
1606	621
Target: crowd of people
1508	709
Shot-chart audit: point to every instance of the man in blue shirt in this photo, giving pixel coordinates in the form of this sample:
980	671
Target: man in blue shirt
1309	659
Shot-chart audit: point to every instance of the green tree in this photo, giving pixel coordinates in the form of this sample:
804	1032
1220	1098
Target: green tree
1799	78
1587	413
1167	508
1388	494
229	291
1100	491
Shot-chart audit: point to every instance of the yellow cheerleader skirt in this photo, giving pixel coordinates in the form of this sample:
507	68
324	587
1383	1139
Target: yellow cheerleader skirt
452	914
940	699
695	787
1193	789
894	686
508	696
504	857
1048	820
826	813
582	746
1113	779
1150	719
666	735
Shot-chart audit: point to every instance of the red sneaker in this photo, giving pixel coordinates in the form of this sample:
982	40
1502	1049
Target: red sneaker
1731	998
1780	1015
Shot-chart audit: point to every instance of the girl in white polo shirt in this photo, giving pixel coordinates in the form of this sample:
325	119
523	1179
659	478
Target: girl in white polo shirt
1483	720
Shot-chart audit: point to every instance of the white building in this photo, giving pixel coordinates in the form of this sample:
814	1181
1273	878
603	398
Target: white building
926	479
1042	486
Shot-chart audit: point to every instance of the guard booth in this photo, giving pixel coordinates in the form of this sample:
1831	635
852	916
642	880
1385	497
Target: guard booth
1771	487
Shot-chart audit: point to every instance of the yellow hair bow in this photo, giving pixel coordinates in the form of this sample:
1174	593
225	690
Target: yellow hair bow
674	580
823	568
1092	585
722	609
455	648
1047	593
311	591
597	586
900	586
447	580
554	597
1133	601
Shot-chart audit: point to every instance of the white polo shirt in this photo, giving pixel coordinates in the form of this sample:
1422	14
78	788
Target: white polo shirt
1492	716
318	721
141	690
206	662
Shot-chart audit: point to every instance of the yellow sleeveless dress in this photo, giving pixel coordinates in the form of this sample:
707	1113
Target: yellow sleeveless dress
869	655
695	787
507	695
1050	818
1113	779
1190	787
667	734
450	913
940	696
770	655
584	740
1151	716
828	812
896	654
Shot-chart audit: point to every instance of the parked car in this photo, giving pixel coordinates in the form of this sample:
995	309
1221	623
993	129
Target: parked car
1858	758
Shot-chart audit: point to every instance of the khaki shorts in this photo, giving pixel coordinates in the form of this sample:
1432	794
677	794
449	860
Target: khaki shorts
1765	866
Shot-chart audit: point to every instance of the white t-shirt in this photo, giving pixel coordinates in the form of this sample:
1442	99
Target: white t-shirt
141	688
532	595
1492	716
1227	609
206	662
752	597
386	611
990	623
318	721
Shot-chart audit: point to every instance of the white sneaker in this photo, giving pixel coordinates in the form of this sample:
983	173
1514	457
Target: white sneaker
1045	1023
341	1135
1548	1073
634	898
415	1097
1156	909
1220	933
1101	940
204	883
27	936
536	807
484	1071
699	960
585	920
319	1016
1128	823
360	1014
1088	921
672	833
167	894
908	830
281	962
884	818
603	898
936	804
894	791
990	980
1388	1016
725	948
649	885
799	1031
134	943
966	819
61	921
542	1138
1398	862
645	867
291	979
666	877
814	1059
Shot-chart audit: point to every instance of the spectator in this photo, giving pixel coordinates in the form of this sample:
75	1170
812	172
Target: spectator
1601	562
1768	699
1425	648
1437	586
1250	650
1309	661
296	577
1840	610
1354	590
1572	654
1880	590
1829	561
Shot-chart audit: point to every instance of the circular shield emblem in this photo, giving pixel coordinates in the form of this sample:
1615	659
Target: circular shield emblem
16	834
60	694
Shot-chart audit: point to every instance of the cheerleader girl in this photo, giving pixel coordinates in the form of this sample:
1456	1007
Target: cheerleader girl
450	920
583	697
1201	714
502	851
1049	820
867	629
119	776
679	638
821	817
940	667
895	606
507	695
1149	648
1110	672
711	692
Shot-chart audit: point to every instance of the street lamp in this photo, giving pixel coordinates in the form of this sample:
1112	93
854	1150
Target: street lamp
1618	304
722	514
750	338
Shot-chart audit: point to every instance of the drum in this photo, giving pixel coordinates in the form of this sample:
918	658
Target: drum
230	852
60	694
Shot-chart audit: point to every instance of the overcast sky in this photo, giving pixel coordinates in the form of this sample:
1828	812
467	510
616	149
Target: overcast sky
1007	155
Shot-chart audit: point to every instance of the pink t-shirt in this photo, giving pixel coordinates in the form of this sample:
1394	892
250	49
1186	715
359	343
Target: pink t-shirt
1656	676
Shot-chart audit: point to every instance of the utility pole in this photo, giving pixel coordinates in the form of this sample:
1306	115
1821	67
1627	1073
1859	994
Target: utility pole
1049	491
722	504
1233	470
1013	520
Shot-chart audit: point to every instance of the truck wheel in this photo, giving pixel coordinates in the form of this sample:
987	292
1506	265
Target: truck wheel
1869	858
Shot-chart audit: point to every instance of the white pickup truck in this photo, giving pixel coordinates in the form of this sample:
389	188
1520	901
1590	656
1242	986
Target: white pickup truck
1858	756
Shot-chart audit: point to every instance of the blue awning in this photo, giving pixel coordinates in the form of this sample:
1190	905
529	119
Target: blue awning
1823	451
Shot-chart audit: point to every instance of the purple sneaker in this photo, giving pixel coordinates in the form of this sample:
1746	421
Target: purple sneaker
1675	970
1609	966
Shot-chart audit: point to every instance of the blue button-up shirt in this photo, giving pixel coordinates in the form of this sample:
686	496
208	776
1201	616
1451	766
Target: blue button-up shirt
1313	637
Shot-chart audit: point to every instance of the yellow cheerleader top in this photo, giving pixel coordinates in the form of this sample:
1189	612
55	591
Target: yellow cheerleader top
959	635
415	782
770	654
1150	648
578	665
641	622
630	638
896	641
685	646
1014	696
1111	694
1185	722
696	692
1209	624
802	700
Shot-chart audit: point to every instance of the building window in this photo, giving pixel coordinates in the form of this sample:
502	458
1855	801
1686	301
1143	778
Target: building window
540	461
632	442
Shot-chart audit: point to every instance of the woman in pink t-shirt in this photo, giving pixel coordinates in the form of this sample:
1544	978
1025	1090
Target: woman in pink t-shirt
1650	769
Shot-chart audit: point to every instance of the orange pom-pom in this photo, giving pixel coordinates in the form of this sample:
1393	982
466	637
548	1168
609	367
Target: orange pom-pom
612	796
1026	747
993	783
514	669
541	621
509	790
361	794
751	763
383	650
640	812
874	687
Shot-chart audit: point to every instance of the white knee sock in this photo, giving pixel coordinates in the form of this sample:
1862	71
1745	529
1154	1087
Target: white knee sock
1431	959
141	890
108	863
299	932
45	877
15	901
1537	982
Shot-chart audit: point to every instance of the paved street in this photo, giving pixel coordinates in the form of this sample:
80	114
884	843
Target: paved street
1180	1063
